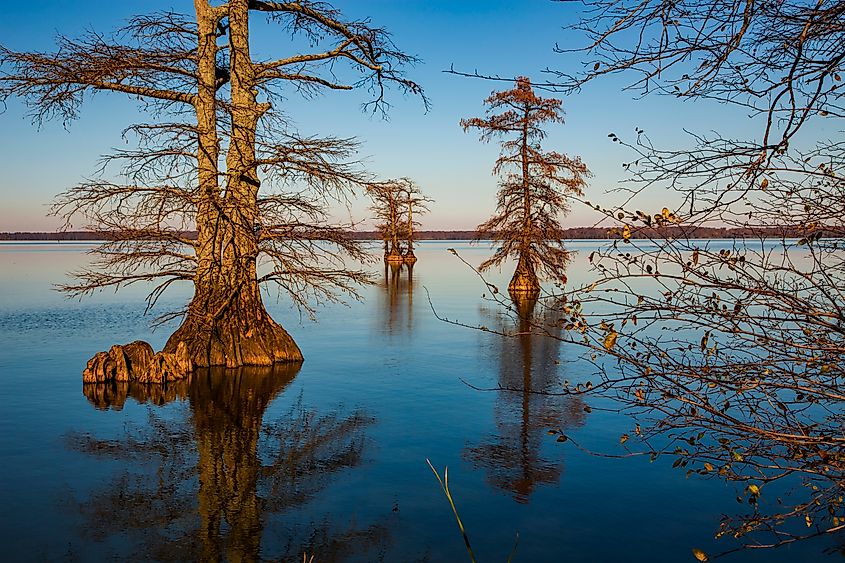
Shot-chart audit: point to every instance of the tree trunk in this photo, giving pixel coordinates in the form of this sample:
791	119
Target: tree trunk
233	329
395	254
524	280
226	323
409	257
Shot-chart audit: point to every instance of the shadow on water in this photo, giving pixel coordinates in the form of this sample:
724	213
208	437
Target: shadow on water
528	365
204	486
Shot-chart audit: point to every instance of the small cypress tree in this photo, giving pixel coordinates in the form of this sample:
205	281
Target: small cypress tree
534	189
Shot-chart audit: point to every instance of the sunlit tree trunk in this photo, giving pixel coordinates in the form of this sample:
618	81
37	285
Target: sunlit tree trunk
524	280
395	253
409	253
227	323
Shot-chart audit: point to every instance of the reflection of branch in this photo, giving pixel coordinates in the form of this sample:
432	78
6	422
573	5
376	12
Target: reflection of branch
225	443
307	451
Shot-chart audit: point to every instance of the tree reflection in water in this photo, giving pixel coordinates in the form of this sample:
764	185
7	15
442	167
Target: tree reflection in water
204	486
528	367
399	287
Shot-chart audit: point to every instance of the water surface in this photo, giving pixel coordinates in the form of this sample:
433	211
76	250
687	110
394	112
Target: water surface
328	458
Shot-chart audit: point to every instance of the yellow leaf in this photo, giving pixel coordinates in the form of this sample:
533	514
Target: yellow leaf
700	555
708	466
754	489
610	340
665	212
626	232
808	520
764	184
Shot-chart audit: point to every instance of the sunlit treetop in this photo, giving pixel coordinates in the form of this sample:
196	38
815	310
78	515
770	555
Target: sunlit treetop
524	110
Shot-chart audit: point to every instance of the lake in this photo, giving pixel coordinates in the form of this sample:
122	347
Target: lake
329	459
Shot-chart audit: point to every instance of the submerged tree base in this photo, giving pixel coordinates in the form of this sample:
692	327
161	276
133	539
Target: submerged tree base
394	257
409	258
262	342
524	285
233	330
524	282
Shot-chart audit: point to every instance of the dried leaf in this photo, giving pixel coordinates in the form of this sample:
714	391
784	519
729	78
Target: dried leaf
700	555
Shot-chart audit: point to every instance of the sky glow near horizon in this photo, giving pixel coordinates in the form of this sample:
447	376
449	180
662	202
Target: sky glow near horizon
498	37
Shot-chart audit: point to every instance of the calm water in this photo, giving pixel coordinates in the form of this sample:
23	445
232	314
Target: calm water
328	459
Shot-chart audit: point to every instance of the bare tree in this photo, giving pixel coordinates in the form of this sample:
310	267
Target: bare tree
534	188
388	201
729	356
415	204
263	209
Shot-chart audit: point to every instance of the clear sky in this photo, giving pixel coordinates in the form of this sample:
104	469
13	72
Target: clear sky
503	37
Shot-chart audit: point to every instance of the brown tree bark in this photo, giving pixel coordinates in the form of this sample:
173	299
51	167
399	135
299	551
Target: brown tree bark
226	322
525	280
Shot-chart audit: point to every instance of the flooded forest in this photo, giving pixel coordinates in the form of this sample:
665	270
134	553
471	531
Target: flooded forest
456	323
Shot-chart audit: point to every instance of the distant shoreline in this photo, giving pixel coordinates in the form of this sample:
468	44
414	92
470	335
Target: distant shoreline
575	233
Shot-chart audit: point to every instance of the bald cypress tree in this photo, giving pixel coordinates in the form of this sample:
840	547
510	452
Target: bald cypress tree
534	186
217	158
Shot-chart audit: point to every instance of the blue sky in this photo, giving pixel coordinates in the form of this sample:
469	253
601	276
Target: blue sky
495	37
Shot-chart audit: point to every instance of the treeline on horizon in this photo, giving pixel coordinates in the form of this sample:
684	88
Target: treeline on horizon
574	233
